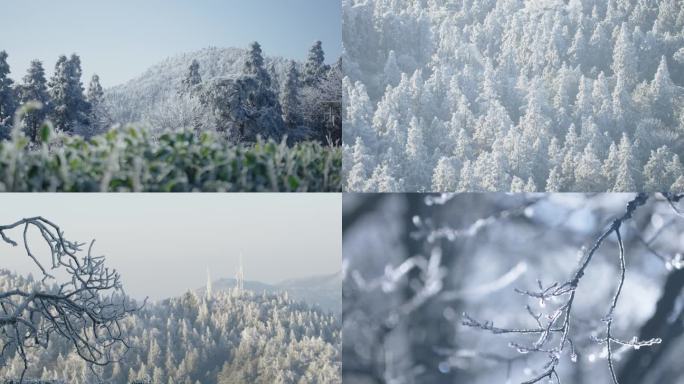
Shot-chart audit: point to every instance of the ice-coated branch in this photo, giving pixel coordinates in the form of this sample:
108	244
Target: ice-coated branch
673	199
87	309
558	321
425	286
431	273
426	229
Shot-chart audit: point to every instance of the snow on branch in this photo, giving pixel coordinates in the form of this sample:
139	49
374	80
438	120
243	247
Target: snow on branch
87	309
558	320
431	274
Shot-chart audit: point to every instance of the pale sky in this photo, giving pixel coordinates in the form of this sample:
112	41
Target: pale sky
162	244
120	39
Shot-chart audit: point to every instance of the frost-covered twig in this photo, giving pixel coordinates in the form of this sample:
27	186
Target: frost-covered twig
502	282
440	199
431	273
425	228
87	309
673	199
559	320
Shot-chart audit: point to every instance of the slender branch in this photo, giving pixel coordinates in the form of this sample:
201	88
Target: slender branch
563	313
87	309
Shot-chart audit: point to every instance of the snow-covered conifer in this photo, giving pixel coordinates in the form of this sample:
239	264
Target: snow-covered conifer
34	88
7	97
315	67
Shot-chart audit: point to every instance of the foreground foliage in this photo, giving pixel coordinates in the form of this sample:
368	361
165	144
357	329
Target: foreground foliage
132	160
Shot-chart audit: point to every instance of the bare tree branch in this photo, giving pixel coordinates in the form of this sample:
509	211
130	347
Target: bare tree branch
87	309
559	320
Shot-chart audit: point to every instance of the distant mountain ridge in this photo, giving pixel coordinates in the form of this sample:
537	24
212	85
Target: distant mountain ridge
136	99
322	290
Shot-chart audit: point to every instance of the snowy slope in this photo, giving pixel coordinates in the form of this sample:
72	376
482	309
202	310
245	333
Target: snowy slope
132	101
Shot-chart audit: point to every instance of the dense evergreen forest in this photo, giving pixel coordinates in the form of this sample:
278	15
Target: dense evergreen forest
228	337
513	95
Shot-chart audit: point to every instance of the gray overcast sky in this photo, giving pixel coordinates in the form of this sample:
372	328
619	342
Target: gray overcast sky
163	243
120	39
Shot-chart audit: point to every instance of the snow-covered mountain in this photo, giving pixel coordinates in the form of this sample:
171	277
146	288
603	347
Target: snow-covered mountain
186	339
133	101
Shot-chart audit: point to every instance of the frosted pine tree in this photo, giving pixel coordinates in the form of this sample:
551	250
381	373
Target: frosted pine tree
584	102
7	99
555	182
578	49
658	170
358	174
69	107
445	175
99	115
624	181
416	153
626	157
624	59
464	147
289	97
467	182
383	180
61	113
252	106
392	72
95	93
315	68
667	17
192	79
555	154
357	114
662	91
254	65
611	164
34	88
517	185
588	175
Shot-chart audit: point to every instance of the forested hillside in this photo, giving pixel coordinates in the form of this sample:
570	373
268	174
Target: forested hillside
236	92
513	95
153	99
229	337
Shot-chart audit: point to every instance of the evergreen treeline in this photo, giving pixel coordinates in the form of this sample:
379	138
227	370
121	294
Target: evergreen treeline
304	105
253	101
228	338
513	95
64	100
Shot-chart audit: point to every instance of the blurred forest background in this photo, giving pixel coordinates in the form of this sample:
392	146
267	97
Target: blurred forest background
414	265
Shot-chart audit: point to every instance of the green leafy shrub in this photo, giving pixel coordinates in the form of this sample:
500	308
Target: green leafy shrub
129	159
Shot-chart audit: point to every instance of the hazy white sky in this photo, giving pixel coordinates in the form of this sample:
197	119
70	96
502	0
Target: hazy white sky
163	243
120	39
